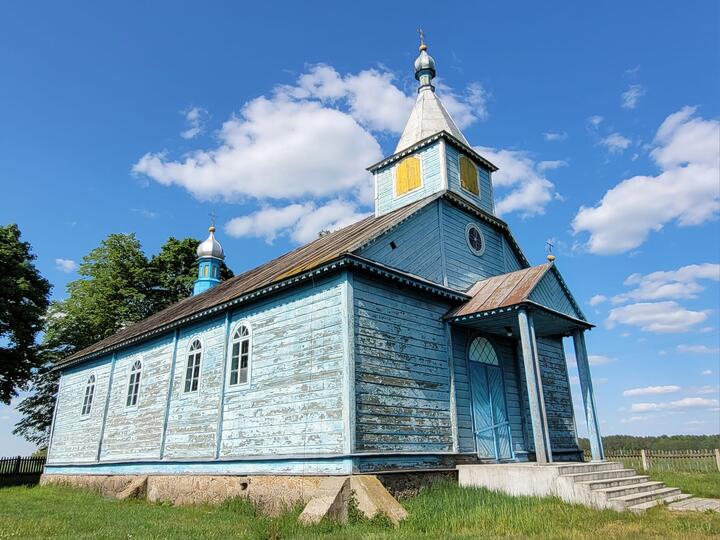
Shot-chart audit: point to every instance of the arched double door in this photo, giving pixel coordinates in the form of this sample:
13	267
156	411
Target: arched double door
490	418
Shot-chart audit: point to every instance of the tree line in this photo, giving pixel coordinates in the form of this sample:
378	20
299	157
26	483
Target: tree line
118	286
613	443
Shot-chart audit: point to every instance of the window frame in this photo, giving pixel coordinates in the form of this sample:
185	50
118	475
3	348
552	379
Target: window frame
190	343
85	415
231	341
477	337
476	252
131	370
477	176
394	176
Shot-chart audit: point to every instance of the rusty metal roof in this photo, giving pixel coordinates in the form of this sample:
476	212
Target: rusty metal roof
307	257
501	291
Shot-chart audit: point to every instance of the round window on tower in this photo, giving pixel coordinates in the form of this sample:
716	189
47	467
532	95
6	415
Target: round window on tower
475	239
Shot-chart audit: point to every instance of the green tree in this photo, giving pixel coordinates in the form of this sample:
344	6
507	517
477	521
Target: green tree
118	286
23	302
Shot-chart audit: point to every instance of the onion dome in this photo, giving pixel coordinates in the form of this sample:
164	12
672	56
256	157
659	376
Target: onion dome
210	247
424	61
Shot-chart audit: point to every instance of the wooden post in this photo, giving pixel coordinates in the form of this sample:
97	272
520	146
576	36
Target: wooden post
644	459
717	458
17	465
586	388
543	452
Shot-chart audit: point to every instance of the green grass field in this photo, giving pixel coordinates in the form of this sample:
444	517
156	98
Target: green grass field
444	511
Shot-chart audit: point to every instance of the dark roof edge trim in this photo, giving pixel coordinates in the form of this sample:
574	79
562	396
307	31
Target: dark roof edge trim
524	304
429	140
331	266
567	291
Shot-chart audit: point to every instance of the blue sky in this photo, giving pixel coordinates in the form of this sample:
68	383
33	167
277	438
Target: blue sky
603	118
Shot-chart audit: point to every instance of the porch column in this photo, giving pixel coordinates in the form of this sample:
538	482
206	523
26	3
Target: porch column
531	363
586	388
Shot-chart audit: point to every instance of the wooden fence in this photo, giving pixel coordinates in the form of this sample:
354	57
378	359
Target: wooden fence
21	465
666	460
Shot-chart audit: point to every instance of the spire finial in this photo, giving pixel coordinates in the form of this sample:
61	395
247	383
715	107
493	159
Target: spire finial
422	47
550	245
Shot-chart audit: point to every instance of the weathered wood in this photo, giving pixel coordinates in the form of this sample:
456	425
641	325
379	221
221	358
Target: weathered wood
586	388
643	460
543	453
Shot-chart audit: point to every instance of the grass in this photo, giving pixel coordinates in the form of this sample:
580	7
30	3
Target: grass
700	484
443	511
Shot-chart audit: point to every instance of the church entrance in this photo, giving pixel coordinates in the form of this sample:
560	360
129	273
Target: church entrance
492	428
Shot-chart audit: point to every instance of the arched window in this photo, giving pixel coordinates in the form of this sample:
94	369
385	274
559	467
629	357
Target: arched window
240	356
192	372
482	351
205	271
89	394
407	175
469	176
133	391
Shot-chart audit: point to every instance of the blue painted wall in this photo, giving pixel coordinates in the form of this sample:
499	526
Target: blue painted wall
549	292
485	200
402	377
432	182
461	338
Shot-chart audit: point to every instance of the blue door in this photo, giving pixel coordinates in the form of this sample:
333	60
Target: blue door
492	429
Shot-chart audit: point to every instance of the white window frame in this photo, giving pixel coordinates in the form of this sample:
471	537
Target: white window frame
477	174
235	328
394	176
140	384
474	251
85	415
187	361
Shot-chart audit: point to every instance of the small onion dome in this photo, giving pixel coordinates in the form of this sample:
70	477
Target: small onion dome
424	61
210	247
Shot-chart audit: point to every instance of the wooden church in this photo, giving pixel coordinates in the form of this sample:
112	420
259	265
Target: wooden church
416	339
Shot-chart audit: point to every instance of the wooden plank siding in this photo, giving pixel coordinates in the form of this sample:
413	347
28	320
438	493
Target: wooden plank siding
431	181
76	438
293	403
485	200
549	292
461	340
558	398
416	246
464	268
402	381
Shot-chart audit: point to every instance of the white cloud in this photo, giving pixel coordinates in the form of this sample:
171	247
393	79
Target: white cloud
466	108
632	95
555	135
685	403
615	143
66	266
597	299
651	390
309	140
707	372
530	190
673	284
697	349
195	118
599	360
299	222
686	191
595	120
659	317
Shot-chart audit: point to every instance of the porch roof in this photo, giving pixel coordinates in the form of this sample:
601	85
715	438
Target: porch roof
494	302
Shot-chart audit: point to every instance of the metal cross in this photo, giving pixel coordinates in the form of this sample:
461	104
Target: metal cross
213	217
422	36
550	246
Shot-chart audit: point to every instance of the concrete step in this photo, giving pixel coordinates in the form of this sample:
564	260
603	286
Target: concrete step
600	475
621	491
614	482
646	496
665	500
588	467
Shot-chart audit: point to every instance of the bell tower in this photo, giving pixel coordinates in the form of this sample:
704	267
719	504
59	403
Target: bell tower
432	154
210	256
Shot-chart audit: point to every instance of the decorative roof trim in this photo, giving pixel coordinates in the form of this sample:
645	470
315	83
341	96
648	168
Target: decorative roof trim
427	141
327	268
567	292
515	307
